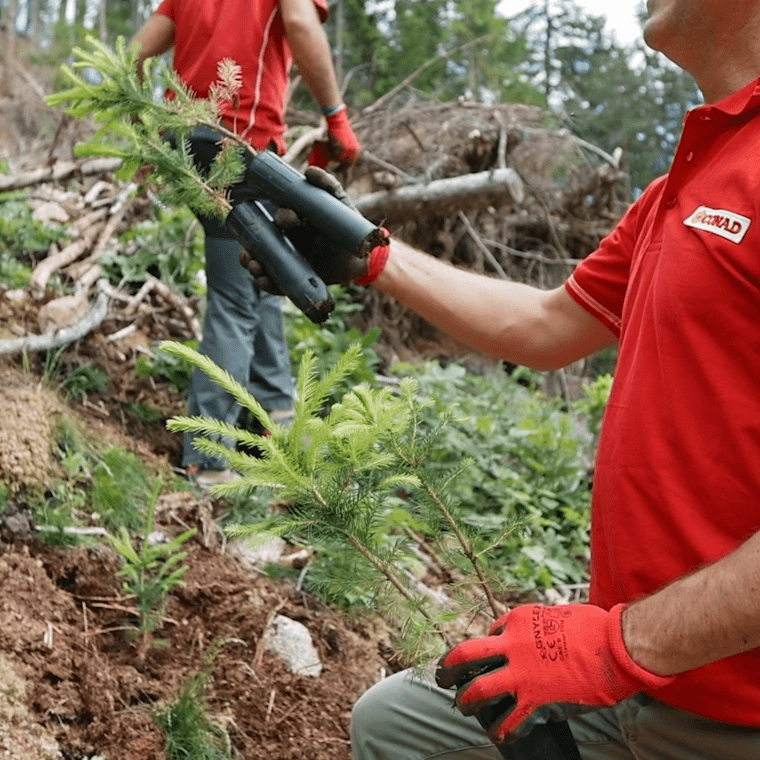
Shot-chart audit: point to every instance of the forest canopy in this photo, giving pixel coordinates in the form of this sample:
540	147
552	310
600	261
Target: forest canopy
554	55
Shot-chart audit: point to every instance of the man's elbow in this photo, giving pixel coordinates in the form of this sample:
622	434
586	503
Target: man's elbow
298	30
536	347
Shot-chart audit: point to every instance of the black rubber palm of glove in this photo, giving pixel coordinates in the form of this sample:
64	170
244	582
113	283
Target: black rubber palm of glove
333	264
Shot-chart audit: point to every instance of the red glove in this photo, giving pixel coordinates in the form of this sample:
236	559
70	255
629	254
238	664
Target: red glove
342	146
545	663
377	259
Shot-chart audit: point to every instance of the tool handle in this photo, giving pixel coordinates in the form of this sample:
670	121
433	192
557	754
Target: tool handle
552	740
255	230
547	741
286	187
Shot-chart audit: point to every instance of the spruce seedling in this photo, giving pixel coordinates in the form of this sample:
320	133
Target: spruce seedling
188	731
135	123
151	571
343	471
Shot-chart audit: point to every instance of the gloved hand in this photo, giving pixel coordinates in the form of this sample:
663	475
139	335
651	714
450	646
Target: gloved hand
332	264
542	663
342	143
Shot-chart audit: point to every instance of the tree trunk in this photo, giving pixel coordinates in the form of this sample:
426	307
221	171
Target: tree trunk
10	50
103	31
339	41
548	50
137	15
34	23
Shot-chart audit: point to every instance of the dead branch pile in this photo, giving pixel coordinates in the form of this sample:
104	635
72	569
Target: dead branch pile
94	213
488	188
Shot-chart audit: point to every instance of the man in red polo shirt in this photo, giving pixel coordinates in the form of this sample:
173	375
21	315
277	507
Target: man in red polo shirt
664	662
243	331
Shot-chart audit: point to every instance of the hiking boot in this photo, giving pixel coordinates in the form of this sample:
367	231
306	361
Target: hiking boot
206	479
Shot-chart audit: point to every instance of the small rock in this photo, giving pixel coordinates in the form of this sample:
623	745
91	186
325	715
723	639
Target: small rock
62	312
157	537
292	643
252	554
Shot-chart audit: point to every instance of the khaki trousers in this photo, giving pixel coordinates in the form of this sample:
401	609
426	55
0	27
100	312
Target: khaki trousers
407	717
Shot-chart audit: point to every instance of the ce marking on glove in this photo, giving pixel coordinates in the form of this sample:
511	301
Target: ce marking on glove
548	626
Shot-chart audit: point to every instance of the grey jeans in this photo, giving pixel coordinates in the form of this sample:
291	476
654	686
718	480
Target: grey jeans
242	333
406	717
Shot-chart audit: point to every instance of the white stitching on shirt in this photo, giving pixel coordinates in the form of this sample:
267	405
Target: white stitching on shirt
260	72
593	303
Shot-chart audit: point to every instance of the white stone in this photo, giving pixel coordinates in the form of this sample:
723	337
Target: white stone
292	643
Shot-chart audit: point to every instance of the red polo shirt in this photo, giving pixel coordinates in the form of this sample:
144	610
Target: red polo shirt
677	480
251	33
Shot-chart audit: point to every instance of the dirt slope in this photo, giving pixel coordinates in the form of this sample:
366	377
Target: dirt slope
74	681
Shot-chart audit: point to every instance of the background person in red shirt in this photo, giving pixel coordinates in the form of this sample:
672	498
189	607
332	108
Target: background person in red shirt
243	331
664	661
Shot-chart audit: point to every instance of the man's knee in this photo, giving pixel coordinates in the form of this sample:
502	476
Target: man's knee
372	718
407	717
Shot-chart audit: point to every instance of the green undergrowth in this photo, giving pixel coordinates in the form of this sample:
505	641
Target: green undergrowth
167	245
485	471
528	467
94	486
190	734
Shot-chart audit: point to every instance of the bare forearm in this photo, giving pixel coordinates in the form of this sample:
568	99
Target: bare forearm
706	616
154	38
311	50
507	320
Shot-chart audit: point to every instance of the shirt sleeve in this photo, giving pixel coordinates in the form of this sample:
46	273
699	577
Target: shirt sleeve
322	9
599	283
166	8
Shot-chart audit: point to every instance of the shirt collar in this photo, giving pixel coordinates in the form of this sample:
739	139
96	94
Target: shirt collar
739	102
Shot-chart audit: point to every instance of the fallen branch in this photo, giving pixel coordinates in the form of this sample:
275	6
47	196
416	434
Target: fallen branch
32	343
71	530
413	199
58	171
482	247
123	333
373	159
83	223
105	235
47	267
179	303
303	142
139	297
532	256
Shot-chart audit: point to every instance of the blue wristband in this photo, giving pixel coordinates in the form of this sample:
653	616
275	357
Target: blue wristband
332	110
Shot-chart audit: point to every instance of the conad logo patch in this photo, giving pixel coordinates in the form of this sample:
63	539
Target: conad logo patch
727	224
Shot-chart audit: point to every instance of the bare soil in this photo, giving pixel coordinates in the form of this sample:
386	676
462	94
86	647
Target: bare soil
75	679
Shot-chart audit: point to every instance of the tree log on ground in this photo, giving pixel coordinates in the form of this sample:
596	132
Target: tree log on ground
483	188
58	171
